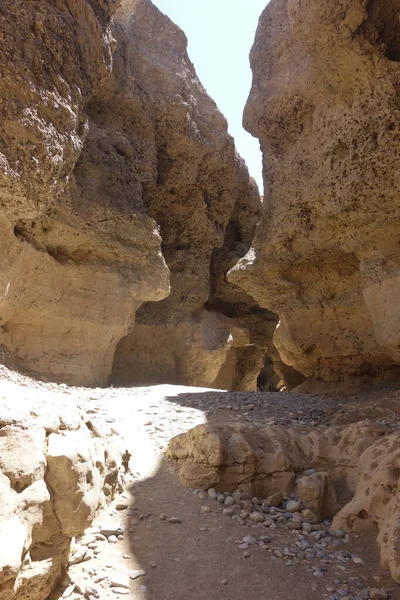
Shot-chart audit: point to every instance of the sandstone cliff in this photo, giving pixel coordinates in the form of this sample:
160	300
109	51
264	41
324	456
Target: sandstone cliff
207	332
325	106
109	140
79	253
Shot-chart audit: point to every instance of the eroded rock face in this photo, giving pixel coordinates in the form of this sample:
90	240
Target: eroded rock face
52	475
79	253
325	106
198	189
272	459
349	472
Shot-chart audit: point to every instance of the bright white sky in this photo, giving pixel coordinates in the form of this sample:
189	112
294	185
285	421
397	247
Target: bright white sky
220	35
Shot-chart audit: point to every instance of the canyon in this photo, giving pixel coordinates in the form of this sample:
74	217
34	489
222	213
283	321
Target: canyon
138	258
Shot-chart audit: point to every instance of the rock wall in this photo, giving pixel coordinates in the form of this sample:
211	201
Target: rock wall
349	472
54	475
325	105
207	332
79	253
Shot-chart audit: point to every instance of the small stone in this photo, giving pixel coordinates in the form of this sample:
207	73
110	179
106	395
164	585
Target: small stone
306	527
274	500
126	556
174	520
163	517
213	493
203	495
205	509
229	501
120	591
153	564
119	580
293	506
92	592
249	539
68	591
224	581
229	510
357	560
246	554
257	517
295	524
89	555
318	574
203	529
243	546
221	499
136	574
111	530
112	539
78	556
377	594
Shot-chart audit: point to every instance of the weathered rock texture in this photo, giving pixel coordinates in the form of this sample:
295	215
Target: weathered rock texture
354	470
207	332
325	106
79	253
53	472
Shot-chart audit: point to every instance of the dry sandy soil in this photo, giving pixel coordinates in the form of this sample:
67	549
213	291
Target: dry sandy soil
199	557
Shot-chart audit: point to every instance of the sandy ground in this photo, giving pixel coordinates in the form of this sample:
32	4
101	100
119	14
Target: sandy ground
199	557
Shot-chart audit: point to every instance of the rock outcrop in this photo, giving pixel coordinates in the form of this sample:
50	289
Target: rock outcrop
325	106
54	475
349	472
207	332
79	253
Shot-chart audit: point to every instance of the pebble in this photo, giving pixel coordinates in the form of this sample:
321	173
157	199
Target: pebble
229	501
224	581
163	517
213	493
246	554
136	574
119	580
119	590
293	506
257	517
111	530
112	539
249	539
174	520
205	509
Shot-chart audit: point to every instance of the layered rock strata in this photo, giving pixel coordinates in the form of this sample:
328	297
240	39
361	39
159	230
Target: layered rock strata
325	106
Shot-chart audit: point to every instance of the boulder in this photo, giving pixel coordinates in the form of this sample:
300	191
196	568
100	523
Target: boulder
52	476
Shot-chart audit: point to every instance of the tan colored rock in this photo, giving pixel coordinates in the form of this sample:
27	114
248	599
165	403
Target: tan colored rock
74	479
265	460
52	473
325	257
198	189
376	500
77	257
311	490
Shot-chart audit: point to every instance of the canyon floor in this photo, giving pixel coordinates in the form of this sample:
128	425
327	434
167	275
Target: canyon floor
161	541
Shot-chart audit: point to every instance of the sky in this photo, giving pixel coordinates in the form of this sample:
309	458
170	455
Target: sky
220	34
